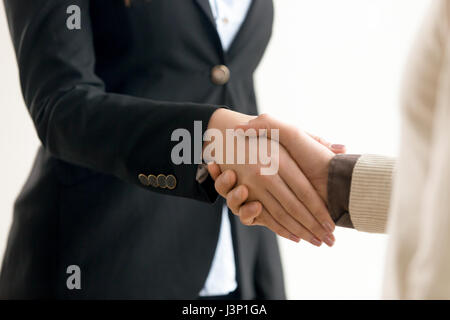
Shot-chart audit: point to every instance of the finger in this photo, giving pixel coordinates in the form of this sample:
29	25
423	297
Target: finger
225	182
335	148
283	218
289	136
299	212
236	197
311	206
320	140
338	148
214	170
262	125
249	211
266	220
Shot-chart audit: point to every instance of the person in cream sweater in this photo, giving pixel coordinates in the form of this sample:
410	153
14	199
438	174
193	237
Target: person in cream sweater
362	191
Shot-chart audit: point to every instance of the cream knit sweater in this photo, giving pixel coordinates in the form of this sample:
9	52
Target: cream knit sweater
418	258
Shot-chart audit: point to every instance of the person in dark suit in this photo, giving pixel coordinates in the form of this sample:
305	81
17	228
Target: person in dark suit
103	194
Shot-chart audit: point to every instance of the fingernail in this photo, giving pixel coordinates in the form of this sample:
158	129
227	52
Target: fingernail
294	238
337	146
329	240
316	242
328	227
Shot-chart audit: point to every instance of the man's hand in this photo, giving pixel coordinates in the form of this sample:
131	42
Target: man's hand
286	202
311	153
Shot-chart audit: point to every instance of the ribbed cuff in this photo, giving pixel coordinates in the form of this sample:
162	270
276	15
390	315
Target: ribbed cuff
370	192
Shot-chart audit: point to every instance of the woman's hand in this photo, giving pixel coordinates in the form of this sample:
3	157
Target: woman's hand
286	201
313	156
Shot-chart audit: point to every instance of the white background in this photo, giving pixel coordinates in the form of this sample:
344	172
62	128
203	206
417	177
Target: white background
334	68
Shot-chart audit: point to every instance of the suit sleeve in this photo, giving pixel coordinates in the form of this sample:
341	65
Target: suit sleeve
76	120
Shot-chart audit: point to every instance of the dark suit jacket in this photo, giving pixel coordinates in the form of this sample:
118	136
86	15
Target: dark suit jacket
105	100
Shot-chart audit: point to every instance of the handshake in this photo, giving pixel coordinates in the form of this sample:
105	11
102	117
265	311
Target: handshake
292	201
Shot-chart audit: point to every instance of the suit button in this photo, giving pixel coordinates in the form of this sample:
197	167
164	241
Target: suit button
152	181
220	75
171	182
161	181
144	180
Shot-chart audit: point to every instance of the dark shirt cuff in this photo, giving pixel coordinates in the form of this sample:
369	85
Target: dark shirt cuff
339	183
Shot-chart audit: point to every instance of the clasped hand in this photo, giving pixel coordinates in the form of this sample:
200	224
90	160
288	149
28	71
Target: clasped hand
290	202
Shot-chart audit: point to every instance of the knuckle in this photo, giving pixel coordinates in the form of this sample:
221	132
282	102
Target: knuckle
247	214
246	221
293	208
278	215
240	194
311	224
318	210
219	187
306	194
282	217
232	206
228	178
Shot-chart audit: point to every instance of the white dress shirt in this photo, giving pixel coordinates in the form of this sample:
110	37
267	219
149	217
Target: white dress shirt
229	16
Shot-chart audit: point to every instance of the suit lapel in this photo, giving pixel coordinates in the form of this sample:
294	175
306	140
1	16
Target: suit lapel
206	8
